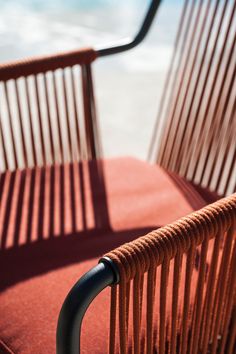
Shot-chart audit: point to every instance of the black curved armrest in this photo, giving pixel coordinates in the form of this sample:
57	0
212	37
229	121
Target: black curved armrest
127	44
77	302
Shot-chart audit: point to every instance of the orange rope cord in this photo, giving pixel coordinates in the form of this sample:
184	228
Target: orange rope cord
207	294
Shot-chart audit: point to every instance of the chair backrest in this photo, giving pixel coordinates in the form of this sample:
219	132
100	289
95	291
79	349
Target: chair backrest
196	129
45	116
41	122
177	286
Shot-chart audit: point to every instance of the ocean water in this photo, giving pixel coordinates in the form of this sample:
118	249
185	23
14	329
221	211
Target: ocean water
128	86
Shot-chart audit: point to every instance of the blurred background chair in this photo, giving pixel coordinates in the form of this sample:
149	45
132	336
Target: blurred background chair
63	205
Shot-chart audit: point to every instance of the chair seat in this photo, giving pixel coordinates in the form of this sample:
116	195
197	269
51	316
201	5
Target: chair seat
55	222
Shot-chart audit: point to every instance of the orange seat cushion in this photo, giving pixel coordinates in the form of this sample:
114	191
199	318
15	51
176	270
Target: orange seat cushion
56	222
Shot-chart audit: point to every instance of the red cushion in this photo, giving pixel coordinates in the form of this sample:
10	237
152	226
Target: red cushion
56	222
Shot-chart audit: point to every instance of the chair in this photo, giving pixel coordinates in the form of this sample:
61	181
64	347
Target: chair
173	290
62	205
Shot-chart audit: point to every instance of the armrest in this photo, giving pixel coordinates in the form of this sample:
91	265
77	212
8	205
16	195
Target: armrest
78	300
127	44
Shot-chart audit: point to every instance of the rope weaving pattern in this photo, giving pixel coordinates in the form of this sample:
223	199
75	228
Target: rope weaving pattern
177	286
47	111
194	133
37	65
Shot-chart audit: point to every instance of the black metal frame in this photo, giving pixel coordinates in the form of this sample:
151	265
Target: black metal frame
127	44
105	273
77	302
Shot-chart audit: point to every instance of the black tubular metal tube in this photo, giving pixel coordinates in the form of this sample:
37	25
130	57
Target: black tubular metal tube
127	44
105	273
77	302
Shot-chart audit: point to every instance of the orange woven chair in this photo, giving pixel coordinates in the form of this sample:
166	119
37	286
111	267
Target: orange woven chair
176	288
62	205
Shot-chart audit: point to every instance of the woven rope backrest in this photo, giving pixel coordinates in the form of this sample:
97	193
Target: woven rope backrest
47	111
177	286
196	124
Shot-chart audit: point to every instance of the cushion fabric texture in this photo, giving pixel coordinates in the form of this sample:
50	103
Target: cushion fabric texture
56	222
